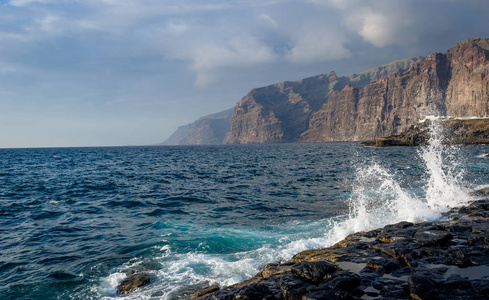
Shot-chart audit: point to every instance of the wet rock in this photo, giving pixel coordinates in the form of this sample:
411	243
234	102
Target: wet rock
313	271
344	281
293	287
274	269
432	237
204	291
422	287
261	290
481	286
132	282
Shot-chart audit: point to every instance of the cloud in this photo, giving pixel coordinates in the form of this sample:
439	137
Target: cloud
240	52
317	46
374	26
381	23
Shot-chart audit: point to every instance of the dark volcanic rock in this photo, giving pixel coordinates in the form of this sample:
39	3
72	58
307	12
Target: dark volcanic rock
430	260
132	282
313	271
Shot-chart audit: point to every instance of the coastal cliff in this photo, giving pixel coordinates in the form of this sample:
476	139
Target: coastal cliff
329	108
453	84
448	259
209	130
282	112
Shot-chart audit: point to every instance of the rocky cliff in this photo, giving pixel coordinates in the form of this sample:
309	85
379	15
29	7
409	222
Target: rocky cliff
368	105
282	112
209	130
454	84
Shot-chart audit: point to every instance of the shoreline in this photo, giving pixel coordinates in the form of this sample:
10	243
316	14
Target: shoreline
445	259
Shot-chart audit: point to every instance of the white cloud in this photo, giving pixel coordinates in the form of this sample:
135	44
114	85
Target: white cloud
317	46
240	52
375	27
381	23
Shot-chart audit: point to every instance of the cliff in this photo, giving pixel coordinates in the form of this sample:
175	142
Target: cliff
282	112
376	103
209	130
454	84
448	259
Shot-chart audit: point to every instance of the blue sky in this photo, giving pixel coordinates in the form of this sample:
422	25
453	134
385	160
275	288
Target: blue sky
127	72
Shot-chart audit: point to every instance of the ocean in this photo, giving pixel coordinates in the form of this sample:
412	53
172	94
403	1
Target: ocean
74	221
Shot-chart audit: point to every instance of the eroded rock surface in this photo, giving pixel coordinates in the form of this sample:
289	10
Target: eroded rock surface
430	260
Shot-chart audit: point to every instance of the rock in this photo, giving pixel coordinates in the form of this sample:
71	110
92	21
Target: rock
204	291
422	287
432	237
313	271
457	131
132	282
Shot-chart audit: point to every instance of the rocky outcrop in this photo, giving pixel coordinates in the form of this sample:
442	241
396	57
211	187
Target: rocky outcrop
208	130
133	281
455	132
282	112
431	260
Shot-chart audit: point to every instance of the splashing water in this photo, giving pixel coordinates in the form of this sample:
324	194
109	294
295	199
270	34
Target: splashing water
443	189
380	200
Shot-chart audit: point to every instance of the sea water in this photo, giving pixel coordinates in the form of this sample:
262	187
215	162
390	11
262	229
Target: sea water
74	221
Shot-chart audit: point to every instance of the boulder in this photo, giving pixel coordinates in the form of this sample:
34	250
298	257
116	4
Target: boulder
132	282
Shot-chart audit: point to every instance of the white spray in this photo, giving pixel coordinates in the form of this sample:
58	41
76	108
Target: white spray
378	199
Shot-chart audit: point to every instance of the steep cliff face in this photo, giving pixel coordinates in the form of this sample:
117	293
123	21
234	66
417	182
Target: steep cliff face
282	112
208	130
455	83
467	93
384	107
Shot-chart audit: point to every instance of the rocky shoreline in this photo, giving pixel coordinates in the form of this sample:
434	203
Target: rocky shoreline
458	132
447	259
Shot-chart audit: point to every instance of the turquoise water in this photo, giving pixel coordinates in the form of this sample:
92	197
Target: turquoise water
73	221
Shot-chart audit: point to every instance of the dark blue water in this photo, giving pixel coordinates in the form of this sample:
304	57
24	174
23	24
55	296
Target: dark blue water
74	220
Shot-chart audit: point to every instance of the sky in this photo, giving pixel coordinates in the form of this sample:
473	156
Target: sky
129	72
